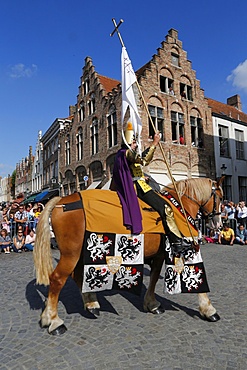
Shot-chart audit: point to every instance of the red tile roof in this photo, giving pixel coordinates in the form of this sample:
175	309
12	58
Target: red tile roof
108	83
226	110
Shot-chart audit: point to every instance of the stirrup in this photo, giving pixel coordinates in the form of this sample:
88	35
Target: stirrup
181	246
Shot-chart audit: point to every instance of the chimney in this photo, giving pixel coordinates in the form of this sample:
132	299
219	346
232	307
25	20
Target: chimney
235	101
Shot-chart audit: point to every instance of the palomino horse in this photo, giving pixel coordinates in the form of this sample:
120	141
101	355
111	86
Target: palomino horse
69	230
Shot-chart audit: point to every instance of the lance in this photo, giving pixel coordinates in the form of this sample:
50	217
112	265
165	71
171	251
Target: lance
116	29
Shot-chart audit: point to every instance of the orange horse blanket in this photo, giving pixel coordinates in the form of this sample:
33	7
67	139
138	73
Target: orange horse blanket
103	212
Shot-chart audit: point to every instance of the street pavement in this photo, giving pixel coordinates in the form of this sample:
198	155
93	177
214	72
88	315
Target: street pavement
124	336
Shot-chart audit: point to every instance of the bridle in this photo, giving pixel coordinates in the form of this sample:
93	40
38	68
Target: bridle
214	194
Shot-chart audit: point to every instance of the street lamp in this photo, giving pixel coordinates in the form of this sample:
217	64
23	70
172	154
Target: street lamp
223	169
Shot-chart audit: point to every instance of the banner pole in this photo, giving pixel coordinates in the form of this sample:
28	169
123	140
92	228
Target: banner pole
154	128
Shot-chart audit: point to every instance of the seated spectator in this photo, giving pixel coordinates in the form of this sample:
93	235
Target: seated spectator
241	235
226	236
30	240
5	241
18	240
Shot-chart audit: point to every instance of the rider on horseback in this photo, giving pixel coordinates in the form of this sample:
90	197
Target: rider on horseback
128	166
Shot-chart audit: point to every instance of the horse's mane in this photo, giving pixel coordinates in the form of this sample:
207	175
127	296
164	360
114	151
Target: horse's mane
199	188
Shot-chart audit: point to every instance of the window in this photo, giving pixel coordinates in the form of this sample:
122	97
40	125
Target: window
224	141
94	136
166	85
177	121
112	127
175	59
186	91
91	104
157	116
67	150
56	169
239	139
227	187
242	183
86	86
79	145
196	132
82	112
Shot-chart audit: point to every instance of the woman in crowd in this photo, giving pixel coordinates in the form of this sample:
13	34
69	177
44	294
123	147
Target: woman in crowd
5	241
18	240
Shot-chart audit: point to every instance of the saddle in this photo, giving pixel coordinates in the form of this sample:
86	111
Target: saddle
103	213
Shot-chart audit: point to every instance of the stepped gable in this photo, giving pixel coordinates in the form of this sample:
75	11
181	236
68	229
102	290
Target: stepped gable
223	109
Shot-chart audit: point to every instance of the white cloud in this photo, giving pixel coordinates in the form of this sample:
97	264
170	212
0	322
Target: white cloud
20	70
238	77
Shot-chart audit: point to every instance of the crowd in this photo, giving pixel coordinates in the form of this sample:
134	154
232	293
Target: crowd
18	224
232	228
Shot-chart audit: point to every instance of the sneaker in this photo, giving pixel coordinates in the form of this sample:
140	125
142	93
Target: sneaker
19	251
7	252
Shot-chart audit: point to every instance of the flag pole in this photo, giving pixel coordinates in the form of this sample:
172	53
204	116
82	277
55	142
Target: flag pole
116	29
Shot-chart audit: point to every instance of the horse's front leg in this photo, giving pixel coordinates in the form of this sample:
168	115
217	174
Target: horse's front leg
206	309
91	303
150	302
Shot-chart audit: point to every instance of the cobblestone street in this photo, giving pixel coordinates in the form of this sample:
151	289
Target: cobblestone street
124	336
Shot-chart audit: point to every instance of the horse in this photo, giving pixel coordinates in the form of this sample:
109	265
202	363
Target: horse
201	194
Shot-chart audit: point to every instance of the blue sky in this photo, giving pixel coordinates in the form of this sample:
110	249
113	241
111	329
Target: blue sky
43	45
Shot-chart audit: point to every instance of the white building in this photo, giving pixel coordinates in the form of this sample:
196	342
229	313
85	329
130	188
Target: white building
230	145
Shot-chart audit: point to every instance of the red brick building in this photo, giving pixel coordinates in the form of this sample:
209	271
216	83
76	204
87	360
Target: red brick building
176	104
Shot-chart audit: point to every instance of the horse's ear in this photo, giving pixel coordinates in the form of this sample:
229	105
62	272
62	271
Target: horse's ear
220	180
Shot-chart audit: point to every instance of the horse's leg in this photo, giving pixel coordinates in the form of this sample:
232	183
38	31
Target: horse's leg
69	230
206	308
156	262
58	278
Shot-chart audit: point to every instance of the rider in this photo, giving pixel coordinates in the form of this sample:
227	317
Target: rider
133	171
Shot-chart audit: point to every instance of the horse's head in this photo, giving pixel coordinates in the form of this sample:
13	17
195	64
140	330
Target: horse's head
211	207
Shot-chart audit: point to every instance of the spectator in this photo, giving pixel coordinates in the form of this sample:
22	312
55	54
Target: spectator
37	215
18	240
5	241
226	236
242	213
224	214
231	210
20	217
241	235
30	240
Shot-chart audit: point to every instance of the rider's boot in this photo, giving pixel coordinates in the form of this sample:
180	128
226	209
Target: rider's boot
177	242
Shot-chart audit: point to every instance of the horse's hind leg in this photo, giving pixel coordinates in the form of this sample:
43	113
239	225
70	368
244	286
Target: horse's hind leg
58	278
150	302
206	308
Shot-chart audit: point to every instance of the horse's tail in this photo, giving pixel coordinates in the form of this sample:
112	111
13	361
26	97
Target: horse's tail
42	250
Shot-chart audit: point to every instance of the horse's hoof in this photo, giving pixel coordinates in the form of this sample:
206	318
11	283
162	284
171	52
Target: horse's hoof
42	326
213	318
60	330
157	311
94	311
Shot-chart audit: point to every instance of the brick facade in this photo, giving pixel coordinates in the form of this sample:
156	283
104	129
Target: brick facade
88	145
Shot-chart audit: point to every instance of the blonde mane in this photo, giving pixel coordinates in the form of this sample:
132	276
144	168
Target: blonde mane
193	188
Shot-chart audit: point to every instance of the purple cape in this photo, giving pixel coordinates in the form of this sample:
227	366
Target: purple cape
132	217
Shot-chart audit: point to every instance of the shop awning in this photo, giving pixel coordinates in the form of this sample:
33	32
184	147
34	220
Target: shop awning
50	194
31	198
40	196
